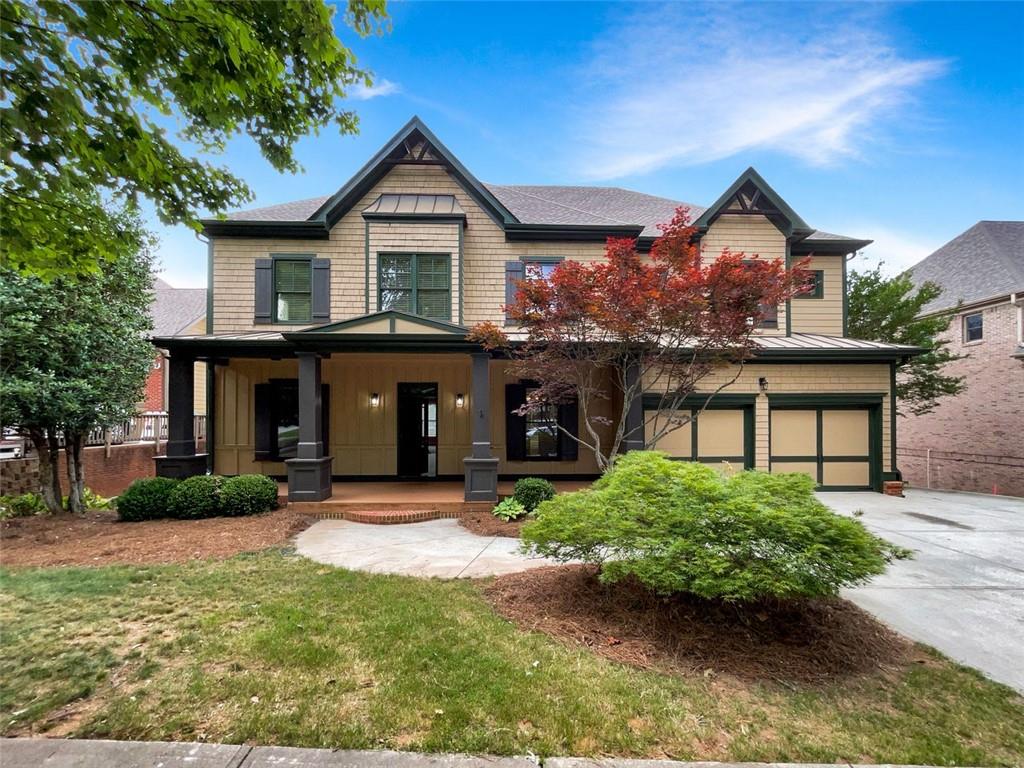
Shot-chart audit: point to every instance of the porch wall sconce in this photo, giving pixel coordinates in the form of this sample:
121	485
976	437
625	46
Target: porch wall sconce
762	383
460	400
375	400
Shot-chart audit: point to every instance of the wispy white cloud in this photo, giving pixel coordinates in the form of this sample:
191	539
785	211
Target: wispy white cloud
684	85
383	87
894	249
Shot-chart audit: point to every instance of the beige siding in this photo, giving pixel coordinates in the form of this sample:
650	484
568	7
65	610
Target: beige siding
824	315
752	236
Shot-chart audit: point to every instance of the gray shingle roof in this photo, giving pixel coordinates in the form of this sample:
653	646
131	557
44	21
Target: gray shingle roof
985	262
174	309
536	204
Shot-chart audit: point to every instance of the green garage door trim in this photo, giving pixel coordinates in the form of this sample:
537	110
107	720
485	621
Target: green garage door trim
872	403
694	403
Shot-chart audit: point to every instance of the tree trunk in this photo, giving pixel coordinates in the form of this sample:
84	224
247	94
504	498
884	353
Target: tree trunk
76	483
49	474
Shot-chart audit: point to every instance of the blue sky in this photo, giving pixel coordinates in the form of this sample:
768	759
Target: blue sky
900	123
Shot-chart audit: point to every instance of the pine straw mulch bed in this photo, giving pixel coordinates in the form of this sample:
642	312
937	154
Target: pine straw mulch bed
98	538
796	642
486	524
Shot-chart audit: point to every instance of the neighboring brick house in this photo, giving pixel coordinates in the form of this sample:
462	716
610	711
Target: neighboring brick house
975	441
175	311
338	328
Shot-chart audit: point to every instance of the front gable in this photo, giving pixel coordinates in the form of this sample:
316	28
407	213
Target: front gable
388	322
751	195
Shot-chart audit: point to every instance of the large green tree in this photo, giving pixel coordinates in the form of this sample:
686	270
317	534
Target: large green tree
74	352
889	309
112	95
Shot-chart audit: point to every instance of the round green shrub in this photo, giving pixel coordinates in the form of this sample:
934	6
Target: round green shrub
248	495
684	527
146	499
196	497
531	491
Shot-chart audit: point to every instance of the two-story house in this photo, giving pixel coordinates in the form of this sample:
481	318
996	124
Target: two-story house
336	335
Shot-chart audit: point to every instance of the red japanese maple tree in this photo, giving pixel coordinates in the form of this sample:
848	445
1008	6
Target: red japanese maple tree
631	324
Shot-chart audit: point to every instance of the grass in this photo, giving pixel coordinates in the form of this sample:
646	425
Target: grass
274	649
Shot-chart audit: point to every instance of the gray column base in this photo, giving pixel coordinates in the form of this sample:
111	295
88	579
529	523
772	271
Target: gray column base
309	479
481	479
180	467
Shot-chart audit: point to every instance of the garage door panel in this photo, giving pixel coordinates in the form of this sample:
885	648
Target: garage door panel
846	473
807	467
845	433
677	443
720	433
794	433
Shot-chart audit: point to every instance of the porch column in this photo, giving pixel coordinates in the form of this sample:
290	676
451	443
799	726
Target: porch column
181	459
481	468
309	473
634	440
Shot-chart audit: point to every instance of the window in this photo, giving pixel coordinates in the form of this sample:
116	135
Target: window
415	283
769	313
974	327
540	268
276	419
285	424
293	290
542	432
815	285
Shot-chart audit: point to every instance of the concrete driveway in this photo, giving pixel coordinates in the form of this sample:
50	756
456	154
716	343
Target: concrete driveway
963	592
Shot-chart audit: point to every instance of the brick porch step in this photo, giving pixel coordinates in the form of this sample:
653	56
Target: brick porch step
387	513
391	516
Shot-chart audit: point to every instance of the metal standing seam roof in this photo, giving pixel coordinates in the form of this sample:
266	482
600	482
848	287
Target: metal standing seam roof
415	205
535	204
985	262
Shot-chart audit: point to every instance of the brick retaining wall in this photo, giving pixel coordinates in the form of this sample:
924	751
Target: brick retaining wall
106	475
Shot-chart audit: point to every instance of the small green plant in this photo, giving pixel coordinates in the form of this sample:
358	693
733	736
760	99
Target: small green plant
509	509
25	505
146	499
93	500
684	527
531	491
196	497
248	495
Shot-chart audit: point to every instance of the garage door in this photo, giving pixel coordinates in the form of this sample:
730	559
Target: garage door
835	446
716	436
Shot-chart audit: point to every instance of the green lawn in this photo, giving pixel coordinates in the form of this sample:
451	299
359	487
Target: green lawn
271	648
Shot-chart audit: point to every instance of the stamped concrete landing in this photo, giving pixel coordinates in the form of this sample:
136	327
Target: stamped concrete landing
439	548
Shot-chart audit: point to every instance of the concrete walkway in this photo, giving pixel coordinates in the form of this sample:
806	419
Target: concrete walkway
83	753
438	548
963	592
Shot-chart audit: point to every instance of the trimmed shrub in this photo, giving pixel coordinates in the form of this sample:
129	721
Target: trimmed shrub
684	527
146	499
531	491
196	497
248	495
509	508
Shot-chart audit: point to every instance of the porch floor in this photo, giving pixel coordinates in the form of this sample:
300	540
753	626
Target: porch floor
446	495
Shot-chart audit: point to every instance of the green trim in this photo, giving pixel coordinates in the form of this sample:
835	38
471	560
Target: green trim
720	403
846	300
809	400
819	286
434	218
892	418
789	302
441	325
542	259
414	289
796	225
282	230
462	280
584	233
366	269
209	286
378	166
831	247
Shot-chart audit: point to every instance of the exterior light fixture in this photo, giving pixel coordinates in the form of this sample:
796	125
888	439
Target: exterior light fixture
762	383
374	400
460	400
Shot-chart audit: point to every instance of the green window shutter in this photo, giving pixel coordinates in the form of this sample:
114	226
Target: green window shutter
264	291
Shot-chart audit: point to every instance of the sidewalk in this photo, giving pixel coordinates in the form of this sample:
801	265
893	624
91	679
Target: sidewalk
85	753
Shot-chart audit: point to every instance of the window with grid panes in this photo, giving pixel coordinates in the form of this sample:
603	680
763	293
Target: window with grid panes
415	283
293	291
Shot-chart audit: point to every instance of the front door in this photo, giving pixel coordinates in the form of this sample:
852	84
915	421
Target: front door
417	429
